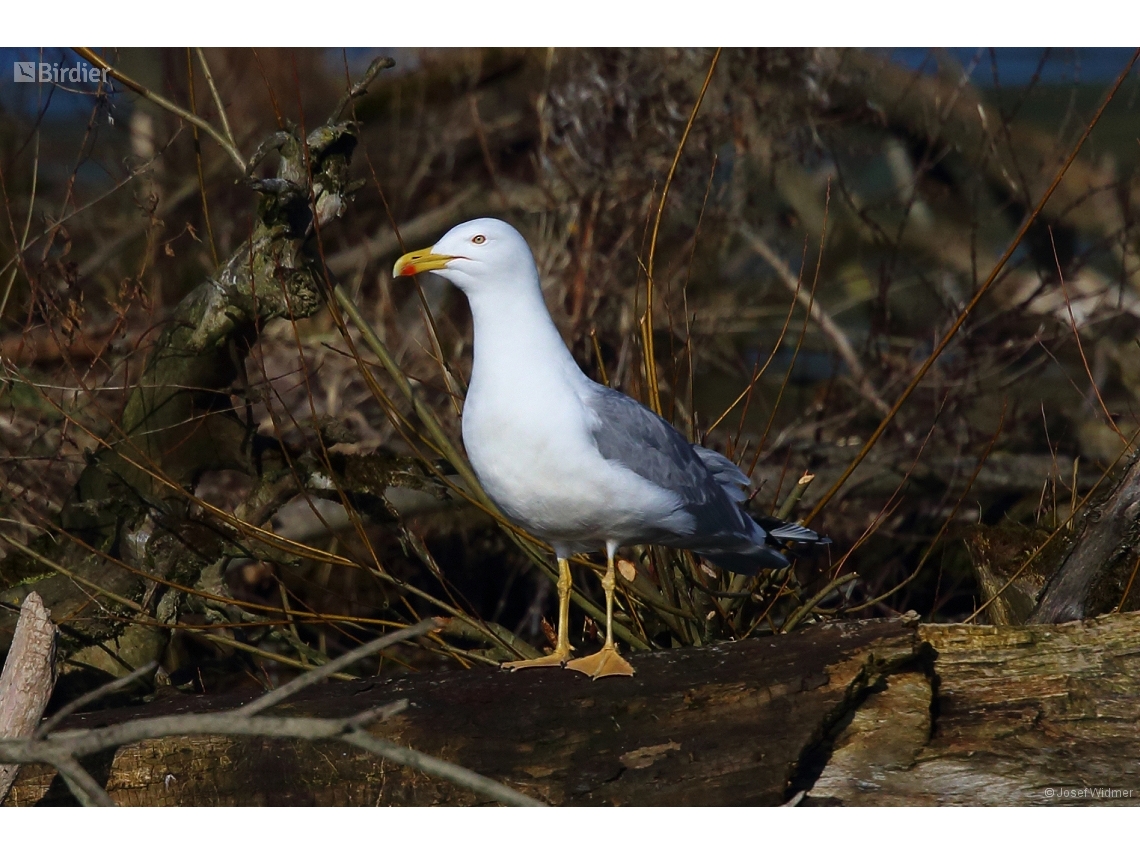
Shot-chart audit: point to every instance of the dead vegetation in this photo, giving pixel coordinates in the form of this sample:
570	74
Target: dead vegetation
232	441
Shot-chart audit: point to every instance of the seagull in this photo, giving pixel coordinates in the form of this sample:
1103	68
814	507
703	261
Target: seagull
575	463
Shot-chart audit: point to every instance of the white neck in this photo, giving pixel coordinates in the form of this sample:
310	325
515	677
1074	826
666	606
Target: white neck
511	326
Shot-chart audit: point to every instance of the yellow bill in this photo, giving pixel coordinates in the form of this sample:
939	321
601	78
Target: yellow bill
419	261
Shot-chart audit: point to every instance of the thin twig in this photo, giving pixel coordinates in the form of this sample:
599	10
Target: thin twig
361	86
85	788
75	577
758	371
830	329
1057	531
1077	341
198	163
23	245
803	331
60	749
1128	587
217	97
803	611
976	299
313	677
440	768
96	261
652	393
167	105
945	525
95	694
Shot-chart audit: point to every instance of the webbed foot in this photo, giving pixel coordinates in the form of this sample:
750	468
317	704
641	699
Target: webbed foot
556	659
607	662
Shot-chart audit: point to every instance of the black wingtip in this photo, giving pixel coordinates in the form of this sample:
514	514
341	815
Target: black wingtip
781	530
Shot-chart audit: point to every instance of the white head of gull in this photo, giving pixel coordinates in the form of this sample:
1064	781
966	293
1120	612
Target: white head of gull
577	464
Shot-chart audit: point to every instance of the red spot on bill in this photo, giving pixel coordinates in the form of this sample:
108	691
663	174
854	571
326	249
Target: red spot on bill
408	270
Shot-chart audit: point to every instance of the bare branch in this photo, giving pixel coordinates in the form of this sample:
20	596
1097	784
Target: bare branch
979	293
165	104
61	749
216	96
310	678
85	788
441	769
830	329
361	86
95	694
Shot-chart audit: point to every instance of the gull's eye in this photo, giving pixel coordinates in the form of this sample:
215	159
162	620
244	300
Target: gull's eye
479	239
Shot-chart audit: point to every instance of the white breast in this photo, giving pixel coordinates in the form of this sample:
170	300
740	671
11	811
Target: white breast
531	447
528	432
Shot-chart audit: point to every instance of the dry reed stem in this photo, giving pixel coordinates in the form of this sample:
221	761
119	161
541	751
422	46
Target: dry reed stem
818	314
945	525
167	105
652	392
977	298
1063	527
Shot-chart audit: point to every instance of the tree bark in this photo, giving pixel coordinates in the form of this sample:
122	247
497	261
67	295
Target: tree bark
1099	573
133	500
1015	716
871	712
27	679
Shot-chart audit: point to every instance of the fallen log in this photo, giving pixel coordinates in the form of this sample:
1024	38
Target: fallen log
869	712
1097	574
1041	715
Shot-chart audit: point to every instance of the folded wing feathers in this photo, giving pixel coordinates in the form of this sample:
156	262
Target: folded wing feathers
726	473
629	434
737	485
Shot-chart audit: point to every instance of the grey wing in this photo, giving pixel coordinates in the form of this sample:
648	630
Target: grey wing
637	438
727	474
710	486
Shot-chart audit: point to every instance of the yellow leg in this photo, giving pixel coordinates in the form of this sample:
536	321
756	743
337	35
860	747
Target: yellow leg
562	648
607	662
